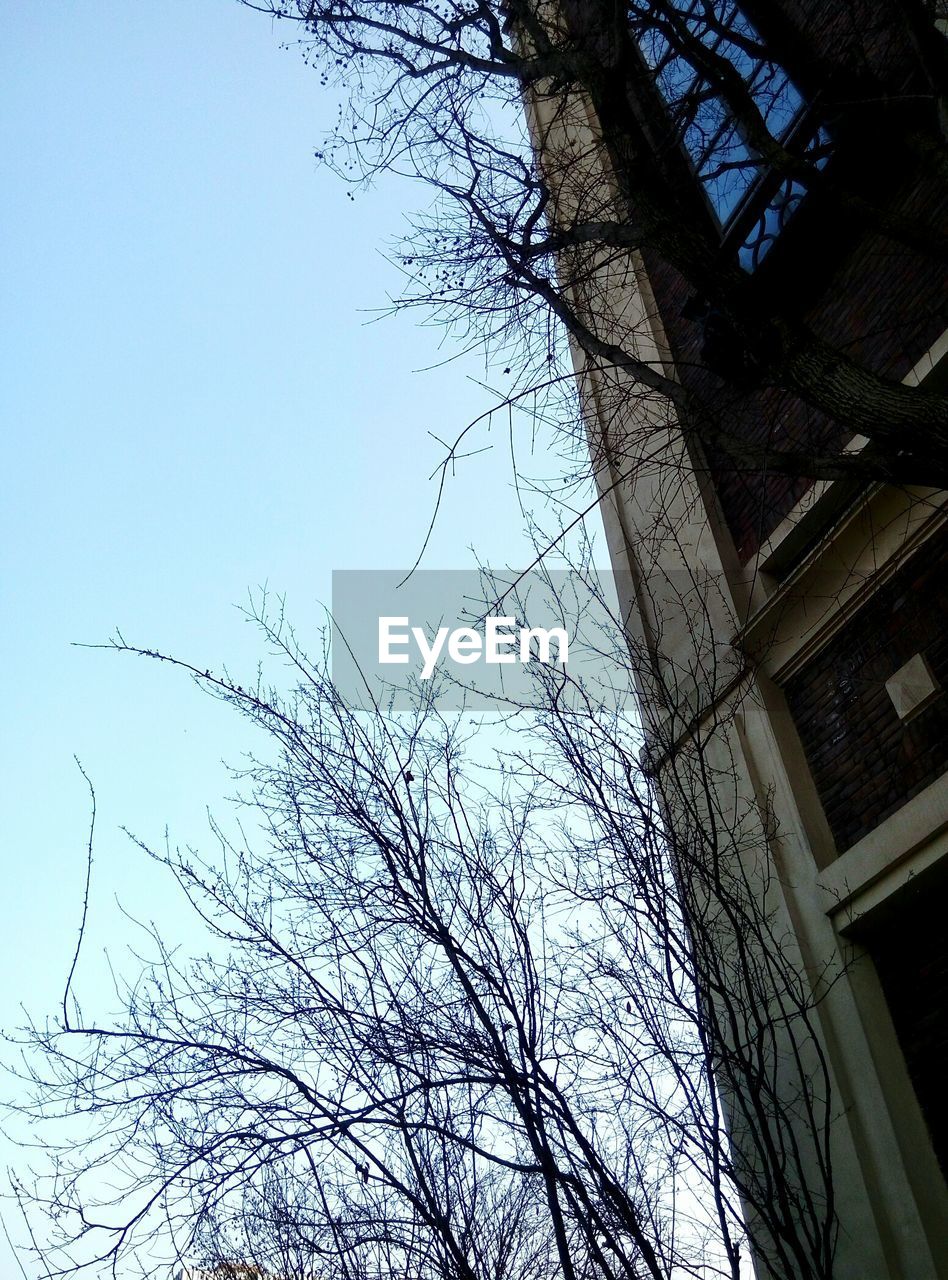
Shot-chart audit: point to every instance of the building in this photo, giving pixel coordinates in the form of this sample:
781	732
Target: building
795	621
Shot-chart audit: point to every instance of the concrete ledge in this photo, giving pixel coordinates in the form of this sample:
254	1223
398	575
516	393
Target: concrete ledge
908	842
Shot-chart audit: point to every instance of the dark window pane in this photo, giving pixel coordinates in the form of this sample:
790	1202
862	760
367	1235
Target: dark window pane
700	120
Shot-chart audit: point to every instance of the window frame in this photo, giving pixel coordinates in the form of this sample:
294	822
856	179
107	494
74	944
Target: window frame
735	204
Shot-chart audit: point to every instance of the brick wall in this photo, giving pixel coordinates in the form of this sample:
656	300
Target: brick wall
865	761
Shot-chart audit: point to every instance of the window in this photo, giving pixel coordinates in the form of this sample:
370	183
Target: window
686	43
910	950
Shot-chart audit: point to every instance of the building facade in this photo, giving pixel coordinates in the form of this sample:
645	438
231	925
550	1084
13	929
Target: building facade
795	623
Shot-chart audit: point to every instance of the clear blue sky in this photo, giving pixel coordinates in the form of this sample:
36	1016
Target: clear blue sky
193	403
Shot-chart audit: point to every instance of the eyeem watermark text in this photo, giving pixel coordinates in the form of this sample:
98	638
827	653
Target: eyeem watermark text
465	638
502	643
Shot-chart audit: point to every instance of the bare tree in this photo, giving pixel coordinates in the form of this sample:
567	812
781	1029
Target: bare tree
291	1228
448	1021
538	1016
686	108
